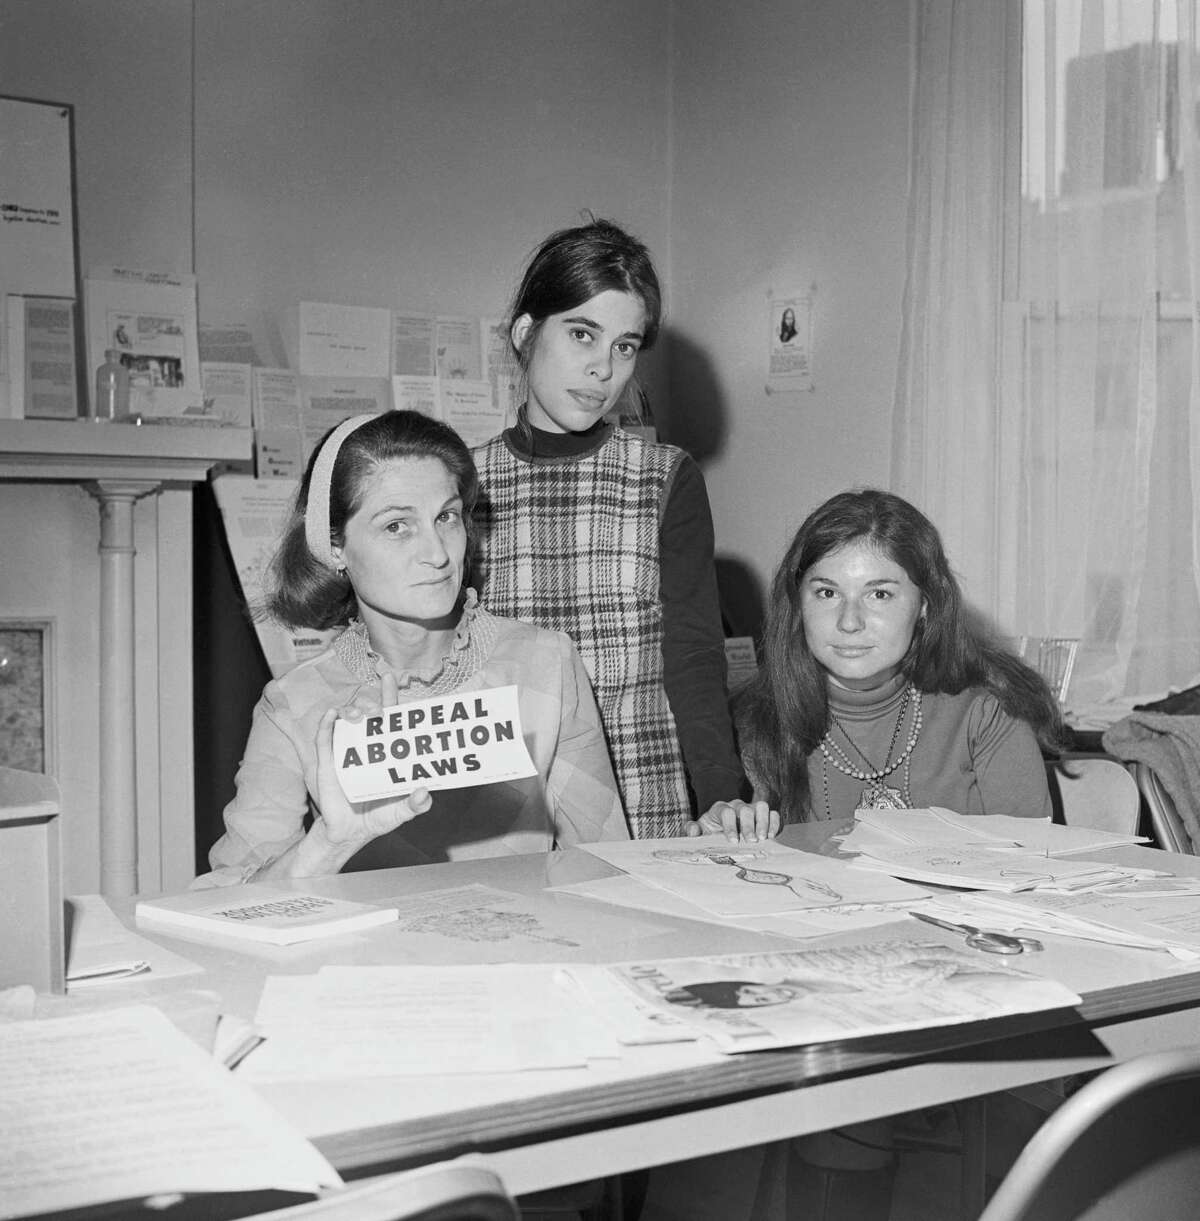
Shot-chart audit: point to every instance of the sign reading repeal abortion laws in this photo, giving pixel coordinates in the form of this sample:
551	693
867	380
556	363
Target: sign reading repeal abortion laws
451	742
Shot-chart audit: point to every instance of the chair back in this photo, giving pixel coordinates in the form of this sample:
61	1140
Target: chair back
1053	657
1164	818
1126	1147
1094	791
451	1191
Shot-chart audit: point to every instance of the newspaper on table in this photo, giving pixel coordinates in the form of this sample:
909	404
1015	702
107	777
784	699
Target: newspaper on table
748	1002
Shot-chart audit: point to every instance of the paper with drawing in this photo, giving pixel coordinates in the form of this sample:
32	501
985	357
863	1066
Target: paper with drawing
749	879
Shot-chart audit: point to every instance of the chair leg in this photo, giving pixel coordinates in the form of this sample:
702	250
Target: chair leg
972	1121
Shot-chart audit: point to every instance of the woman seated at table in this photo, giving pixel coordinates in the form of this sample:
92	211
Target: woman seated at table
878	688
377	545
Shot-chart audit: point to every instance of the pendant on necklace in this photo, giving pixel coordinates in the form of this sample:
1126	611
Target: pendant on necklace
882	797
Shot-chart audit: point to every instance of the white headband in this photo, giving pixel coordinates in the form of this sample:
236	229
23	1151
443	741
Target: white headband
316	511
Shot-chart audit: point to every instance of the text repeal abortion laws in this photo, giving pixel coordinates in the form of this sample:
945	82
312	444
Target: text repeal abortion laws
470	737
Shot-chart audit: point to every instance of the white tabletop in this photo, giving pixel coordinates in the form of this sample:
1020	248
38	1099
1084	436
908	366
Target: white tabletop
665	1103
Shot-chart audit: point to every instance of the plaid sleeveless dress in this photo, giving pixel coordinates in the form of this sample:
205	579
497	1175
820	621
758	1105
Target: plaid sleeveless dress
572	544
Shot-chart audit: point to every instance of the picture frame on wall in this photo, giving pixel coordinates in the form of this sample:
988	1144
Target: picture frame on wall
28	727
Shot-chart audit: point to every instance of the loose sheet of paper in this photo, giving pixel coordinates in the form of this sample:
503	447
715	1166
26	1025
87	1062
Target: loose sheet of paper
101	950
625	891
118	1104
748	879
421	1020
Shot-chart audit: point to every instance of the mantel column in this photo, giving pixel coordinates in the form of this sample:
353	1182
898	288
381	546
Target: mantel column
118	720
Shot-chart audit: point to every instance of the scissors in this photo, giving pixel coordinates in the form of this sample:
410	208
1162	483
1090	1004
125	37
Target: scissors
989	943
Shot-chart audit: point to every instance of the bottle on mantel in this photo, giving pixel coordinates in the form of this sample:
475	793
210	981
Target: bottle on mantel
112	389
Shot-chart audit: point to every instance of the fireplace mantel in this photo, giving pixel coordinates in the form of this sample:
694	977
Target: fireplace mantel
120	464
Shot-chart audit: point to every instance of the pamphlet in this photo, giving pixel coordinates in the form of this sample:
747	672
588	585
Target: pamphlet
258	913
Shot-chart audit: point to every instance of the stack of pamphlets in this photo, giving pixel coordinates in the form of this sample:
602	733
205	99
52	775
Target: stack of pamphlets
256	913
936	825
984	852
1148	913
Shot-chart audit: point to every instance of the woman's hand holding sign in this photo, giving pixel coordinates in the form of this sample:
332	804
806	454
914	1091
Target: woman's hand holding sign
344	826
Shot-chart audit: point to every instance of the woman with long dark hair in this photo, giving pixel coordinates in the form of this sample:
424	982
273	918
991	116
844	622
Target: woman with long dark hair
877	686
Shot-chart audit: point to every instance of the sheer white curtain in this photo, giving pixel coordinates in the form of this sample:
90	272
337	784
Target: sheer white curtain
1047	413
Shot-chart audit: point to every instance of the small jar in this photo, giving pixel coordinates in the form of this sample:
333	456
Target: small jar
112	389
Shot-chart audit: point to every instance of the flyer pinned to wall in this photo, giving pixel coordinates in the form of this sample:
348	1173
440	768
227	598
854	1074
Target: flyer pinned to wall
789	320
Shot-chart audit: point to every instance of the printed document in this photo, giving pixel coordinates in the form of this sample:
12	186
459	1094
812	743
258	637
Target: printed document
117	1104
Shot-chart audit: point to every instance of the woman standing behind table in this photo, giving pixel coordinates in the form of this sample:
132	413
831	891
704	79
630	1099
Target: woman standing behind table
377	544
876	688
608	537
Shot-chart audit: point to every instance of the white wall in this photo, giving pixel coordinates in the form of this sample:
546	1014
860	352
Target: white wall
790	161
401	152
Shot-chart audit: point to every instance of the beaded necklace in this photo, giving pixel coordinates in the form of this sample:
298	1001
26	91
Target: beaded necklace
876	795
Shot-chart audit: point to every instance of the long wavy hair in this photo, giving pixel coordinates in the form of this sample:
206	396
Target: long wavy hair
302	592
783	713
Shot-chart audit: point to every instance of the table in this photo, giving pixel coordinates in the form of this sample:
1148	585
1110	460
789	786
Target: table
668	1103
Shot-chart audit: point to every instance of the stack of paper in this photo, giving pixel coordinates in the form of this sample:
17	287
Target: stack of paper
969	867
119	1105
939	826
1157	914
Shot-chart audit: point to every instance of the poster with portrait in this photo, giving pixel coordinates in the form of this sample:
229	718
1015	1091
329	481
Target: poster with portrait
789	341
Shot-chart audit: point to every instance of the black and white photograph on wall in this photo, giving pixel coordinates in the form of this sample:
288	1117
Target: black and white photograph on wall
789	340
